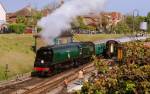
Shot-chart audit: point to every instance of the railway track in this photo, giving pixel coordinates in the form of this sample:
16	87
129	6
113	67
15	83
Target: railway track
43	85
7	89
49	85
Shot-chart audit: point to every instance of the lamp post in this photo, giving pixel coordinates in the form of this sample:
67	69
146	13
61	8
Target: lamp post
137	11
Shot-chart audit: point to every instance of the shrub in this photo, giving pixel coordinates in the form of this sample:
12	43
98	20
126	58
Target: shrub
17	28
39	29
133	77
122	27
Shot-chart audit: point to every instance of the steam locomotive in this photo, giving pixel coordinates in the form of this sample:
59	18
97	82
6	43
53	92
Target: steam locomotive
53	59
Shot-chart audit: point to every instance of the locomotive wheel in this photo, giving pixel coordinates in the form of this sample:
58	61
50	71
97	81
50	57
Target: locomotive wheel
33	74
75	63
42	74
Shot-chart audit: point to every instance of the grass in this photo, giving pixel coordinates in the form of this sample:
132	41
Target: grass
16	51
95	37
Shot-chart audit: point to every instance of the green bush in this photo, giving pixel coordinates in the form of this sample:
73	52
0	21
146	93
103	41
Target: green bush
17	28
39	29
133	77
122	28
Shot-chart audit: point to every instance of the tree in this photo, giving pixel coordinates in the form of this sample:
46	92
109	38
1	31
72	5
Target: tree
148	17
136	21
32	21
122	27
129	21
148	20
21	19
104	23
79	23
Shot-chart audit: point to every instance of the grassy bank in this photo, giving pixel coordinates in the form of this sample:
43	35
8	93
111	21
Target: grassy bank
16	51
95	37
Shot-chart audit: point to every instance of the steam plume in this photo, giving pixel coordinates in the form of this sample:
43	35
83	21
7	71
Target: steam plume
60	20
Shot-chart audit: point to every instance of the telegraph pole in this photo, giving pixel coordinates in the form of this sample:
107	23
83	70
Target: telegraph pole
137	11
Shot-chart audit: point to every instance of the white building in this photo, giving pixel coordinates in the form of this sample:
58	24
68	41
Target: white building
2	14
2	17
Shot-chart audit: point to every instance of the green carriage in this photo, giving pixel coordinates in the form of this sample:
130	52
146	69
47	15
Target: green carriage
100	49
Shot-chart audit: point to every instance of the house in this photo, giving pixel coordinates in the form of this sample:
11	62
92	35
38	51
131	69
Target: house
49	8
2	14
26	12
46	11
104	18
91	20
65	37
114	17
2	18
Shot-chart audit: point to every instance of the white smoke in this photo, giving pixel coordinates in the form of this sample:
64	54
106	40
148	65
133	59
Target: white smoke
60	20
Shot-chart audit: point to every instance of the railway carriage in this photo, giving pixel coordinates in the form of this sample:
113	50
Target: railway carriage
111	48
100	49
87	50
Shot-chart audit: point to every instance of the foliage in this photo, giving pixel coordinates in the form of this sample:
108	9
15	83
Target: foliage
37	16
29	21
126	25
104	23
131	78
17	28
21	19
39	29
148	20
121	28
136	21
137	52
32	21
22	22
79	23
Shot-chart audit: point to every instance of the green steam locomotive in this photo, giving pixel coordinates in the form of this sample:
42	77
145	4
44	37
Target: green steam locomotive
56	58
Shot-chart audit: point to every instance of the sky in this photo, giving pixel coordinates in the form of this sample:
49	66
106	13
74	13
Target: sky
123	6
